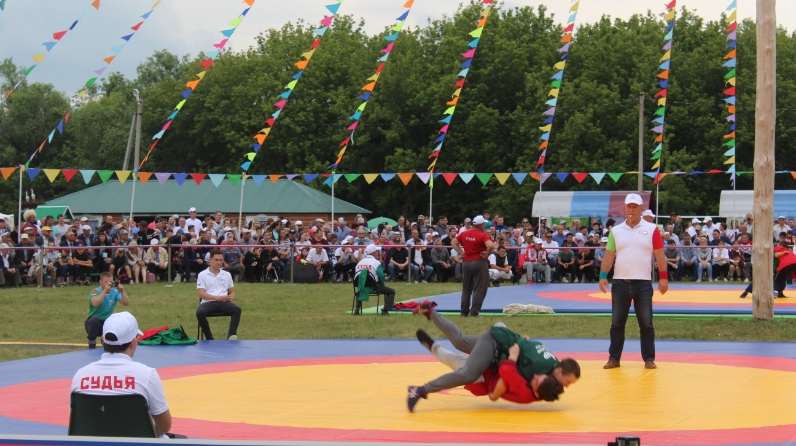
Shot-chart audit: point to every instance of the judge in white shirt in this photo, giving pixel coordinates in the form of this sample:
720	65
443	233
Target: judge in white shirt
217	292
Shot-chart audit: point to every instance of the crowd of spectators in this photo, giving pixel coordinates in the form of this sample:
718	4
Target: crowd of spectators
418	250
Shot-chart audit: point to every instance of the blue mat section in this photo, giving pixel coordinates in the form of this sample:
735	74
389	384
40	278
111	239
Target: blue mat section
498	298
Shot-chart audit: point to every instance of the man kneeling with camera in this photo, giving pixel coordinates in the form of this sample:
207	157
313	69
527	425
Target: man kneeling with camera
101	304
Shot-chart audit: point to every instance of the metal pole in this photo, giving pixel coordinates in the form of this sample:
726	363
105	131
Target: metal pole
41	265
430	202
240	209
169	278
331	224
130	141
137	118
19	210
641	141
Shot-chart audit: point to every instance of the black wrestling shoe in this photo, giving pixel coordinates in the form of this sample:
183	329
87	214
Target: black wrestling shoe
425	339
415	393
425	308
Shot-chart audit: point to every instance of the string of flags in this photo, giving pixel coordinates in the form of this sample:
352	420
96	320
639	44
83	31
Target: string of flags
404	177
2	5
57	36
97	73
663	83
280	105
547	125
227	33
368	88
729	82
458	86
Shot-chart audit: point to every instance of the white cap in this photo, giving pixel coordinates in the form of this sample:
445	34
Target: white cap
360	220
414	223
647	213
707	219
3	245
666	233
435	234
604	239
284	222
479	220
191	210
634	198
123	325
347	240
86	228
538	241
299	223
529	234
578	236
467	220
227	229
84	219
154	242
563	222
371	249
695	221
780	217
341	219
23	236
543	218
320	220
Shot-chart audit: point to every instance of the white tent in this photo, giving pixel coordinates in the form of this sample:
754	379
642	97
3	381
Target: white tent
736	204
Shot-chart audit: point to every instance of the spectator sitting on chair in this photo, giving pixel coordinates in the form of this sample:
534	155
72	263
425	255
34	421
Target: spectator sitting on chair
441	262
536	260
119	268
10	272
457	263
272	259
120	339
566	265
345	265
318	258
157	259
24	257
499	268
233	257
420	259
673	261
704	258
688	261
254	268
101	303
217	291
398	262
585	268
369	277
82	266
64	267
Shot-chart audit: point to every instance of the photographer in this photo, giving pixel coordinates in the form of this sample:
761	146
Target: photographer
101	304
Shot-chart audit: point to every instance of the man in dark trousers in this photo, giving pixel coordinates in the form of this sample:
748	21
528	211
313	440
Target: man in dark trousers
632	245
474	247
217	292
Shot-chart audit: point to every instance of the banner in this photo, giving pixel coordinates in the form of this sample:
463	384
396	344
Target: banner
282	102
371	85
729	85
458	87
97	73
49	46
201	75
404	177
663	83
557	79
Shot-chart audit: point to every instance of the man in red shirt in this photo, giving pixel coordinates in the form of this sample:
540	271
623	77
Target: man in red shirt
474	247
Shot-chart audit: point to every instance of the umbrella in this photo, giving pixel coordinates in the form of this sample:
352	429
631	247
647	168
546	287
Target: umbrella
374	222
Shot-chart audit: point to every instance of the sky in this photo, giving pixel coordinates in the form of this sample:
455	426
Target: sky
190	26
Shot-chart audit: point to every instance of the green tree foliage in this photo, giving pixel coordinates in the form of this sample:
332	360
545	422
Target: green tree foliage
495	128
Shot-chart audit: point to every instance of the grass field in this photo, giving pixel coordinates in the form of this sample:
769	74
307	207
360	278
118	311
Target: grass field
284	311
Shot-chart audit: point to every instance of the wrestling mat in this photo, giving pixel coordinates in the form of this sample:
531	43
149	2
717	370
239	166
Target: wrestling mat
681	299
719	393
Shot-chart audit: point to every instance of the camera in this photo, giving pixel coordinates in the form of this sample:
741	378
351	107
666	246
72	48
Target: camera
115	284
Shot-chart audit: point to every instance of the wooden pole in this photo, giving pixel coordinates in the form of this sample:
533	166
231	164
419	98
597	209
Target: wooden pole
765	121
641	128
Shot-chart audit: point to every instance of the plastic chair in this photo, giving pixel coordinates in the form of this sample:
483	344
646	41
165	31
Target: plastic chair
110	416
356	298
199	335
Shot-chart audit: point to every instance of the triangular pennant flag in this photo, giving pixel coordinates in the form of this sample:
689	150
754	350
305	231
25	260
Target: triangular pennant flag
449	177
198	177
275	177
351	177
405	177
477	32
127	38
387	176
59	35
424	176
122	175
87	174
321	31
579	176
215	178
116	49
502	177
51	174
162	176
484	177
68	173
730	152
518	177
370	177
615	176
38	57
327	21
562	176
473	43
309	177
49	45
258	179
544	177
466	177
598	176
105	175
143	176
730	161
234	178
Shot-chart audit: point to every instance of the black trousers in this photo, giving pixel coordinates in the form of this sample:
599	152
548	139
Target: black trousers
215	307
94	328
389	295
475	281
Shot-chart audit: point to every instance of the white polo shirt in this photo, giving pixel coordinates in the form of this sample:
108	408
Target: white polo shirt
118	374
214	285
634	249
316	257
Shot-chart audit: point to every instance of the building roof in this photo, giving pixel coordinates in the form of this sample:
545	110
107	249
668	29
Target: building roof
53	210
280	197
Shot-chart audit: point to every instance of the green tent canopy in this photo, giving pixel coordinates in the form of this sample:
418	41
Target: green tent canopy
53	210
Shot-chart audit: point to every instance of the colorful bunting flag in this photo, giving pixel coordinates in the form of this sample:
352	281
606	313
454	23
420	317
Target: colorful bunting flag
48	45
730	93
663	93
301	65
469	55
566	40
371	85
192	84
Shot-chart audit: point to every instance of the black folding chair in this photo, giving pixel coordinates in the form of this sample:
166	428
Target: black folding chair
110	416
355	309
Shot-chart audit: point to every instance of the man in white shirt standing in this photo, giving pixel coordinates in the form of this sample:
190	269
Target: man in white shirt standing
217	292
193	221
117	374
780	227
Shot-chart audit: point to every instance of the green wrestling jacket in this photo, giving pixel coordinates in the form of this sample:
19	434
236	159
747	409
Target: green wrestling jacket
534	359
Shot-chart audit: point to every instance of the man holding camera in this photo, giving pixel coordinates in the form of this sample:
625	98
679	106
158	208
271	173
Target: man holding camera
101	304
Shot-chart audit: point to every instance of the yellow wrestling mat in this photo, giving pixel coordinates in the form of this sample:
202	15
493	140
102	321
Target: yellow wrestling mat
696	296
676	396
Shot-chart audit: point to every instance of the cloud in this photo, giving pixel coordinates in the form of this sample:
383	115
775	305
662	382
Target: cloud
190	26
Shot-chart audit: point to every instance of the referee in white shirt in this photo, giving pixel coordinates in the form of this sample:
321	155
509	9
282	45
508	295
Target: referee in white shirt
217	292
632	245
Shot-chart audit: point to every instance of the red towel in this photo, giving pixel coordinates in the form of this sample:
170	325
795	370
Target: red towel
152	332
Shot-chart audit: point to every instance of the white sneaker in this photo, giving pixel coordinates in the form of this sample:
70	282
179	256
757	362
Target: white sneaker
746	280
699	280
564	280
232	338
423	281
415	281
725	279
576	281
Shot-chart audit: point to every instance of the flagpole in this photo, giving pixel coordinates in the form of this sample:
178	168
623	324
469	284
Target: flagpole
332	222
240	209
19	211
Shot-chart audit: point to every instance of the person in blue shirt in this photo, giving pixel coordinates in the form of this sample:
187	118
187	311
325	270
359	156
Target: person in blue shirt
101	304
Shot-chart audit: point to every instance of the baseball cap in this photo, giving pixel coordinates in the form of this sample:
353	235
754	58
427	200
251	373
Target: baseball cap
778	217
123	326
154	242
320	220
578	236
191	210
299	223
467	219
46	228
634	198
86	228
538	241
543	218
604	239
313	231
3	245
435	234
707	219
360	220
123	231
695	221
292	231
371	249
647	213
30	228
84	219
414	223
284	222
24	236
529	234
479	220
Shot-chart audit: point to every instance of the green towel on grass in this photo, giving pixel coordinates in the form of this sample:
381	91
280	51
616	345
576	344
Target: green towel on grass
172	336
